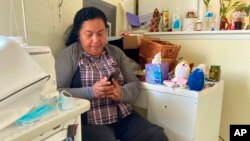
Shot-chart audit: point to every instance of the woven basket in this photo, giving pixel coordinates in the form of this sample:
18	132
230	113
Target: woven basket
149	48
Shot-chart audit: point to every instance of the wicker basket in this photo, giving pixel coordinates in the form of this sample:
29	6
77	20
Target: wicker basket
149	48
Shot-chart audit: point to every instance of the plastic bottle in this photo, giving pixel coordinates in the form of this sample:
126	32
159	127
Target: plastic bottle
217	22
198	25
208	20
176	21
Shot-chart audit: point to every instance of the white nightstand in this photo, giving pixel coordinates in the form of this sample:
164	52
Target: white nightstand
186	115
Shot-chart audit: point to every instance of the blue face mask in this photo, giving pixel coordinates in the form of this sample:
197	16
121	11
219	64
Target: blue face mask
34	115
65	102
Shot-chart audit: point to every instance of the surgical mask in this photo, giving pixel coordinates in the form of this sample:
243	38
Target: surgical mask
65	102
34	115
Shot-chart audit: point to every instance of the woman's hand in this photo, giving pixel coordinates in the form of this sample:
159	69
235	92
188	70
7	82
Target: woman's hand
117	91
104	88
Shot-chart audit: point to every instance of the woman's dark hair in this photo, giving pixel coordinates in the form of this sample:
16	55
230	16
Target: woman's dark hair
84	14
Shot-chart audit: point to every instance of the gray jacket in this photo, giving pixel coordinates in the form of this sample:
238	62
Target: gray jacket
67	63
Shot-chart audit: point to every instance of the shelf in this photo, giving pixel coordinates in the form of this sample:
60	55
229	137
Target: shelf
201	35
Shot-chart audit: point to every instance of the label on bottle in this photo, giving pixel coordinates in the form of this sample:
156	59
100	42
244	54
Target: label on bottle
165	21
214	73
176	24
198	26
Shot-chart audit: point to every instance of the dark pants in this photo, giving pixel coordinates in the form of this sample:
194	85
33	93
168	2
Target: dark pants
131	128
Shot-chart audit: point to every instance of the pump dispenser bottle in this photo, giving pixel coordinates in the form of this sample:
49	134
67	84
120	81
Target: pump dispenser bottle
176	21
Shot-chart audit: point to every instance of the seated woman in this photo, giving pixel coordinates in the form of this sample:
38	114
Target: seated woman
82	69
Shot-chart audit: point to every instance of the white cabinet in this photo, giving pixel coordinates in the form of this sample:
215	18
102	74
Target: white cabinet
186	115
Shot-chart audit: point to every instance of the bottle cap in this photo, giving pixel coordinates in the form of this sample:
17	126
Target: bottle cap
215	66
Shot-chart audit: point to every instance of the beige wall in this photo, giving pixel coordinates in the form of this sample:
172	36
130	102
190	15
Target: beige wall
42	18
43	26
8	24
233	56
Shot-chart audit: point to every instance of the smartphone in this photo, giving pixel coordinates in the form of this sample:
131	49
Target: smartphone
113	75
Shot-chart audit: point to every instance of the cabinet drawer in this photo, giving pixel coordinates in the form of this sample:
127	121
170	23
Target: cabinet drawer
176	114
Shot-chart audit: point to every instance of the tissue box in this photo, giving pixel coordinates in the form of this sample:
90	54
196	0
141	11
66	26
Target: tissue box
156	73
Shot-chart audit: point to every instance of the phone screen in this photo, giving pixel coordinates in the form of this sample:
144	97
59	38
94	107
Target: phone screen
113	75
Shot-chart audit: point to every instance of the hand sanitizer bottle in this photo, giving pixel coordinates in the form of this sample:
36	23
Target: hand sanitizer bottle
176	21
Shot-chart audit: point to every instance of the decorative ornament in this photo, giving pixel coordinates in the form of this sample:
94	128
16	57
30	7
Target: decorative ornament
155	21
182	70
196	80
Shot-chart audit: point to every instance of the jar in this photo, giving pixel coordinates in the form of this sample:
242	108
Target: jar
238	19
198	25
214	73
238	25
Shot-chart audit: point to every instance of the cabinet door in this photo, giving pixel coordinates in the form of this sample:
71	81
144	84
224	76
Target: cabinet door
176	114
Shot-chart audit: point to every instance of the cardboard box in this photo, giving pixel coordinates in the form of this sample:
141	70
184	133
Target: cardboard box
156	73
132	42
